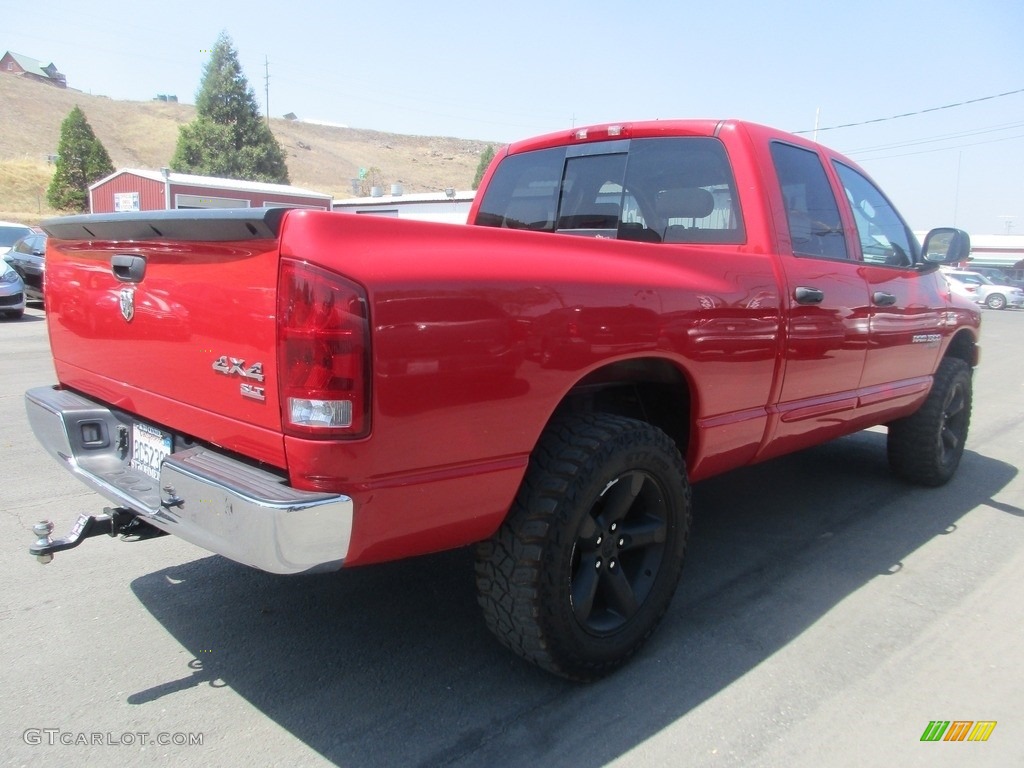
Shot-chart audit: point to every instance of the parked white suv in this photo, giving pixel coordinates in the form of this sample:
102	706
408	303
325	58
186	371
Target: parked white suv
992	295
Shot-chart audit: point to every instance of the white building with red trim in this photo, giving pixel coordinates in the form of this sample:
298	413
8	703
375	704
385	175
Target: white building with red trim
450	206
1005	251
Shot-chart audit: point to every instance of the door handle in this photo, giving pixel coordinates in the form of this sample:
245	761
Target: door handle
805	295
883	299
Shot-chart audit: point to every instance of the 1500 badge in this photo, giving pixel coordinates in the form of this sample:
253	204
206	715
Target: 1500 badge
234	366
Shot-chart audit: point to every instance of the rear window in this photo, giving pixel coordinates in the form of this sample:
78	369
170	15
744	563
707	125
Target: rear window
665	190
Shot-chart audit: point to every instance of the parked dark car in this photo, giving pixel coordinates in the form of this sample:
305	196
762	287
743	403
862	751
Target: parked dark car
27	258
997	275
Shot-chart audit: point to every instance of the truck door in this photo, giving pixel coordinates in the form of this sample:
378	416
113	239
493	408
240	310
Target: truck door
906	305
827	306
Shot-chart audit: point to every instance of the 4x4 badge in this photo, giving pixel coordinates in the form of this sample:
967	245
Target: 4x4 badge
127	302
235	366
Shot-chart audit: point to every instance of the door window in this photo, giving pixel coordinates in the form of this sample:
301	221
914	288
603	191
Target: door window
815	227
884	238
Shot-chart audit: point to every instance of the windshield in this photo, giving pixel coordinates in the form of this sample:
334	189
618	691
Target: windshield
10	235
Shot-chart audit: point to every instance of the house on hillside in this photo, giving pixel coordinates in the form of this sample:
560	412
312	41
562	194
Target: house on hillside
23	66
133	189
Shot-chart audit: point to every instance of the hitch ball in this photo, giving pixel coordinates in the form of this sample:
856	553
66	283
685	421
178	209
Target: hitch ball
42	531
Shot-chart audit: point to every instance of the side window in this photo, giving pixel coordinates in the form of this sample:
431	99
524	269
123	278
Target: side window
884	238
28	244
682	191
811	210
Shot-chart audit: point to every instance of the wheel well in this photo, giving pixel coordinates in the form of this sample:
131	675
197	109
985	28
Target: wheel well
651	390
965	347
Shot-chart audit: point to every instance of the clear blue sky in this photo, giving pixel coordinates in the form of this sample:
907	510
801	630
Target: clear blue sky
502	71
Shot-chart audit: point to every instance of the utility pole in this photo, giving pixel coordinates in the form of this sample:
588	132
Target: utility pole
956	195
266	84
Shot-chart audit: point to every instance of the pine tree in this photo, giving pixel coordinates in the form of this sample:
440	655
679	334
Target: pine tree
81	160
481	168
228	138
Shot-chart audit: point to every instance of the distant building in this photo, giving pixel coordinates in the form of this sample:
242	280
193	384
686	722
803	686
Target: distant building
997	250
451	206
1003	251
23	66
141	190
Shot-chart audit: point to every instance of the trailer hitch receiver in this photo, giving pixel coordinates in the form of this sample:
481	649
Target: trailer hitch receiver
114	521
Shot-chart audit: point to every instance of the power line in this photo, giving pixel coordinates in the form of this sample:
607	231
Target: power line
935	139
919	112
942	149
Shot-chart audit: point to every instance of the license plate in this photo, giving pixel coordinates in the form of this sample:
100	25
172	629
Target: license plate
150	446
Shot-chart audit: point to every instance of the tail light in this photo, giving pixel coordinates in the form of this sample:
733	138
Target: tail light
323	353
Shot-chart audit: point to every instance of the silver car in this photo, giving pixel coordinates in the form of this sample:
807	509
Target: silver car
12	292
992	295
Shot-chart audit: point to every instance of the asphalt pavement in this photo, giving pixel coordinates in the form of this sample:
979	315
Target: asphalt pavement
828	616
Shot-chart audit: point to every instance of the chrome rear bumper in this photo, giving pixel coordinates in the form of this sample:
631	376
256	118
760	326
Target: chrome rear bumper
216	502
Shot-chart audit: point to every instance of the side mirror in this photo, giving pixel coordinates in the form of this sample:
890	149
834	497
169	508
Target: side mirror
946	246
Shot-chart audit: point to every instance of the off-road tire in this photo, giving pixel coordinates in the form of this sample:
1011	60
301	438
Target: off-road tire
925	447
585	565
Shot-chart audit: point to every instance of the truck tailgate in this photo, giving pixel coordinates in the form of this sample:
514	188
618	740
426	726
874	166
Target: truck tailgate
178	308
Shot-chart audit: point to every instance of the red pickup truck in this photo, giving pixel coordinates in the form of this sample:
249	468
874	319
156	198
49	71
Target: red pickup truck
631	308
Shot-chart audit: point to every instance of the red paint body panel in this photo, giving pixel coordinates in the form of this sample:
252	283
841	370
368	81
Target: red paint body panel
198	301
477	334
472	353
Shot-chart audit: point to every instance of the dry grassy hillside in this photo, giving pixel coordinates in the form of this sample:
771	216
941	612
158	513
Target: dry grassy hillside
143	135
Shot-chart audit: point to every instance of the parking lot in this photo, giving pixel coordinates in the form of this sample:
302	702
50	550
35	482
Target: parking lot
827	615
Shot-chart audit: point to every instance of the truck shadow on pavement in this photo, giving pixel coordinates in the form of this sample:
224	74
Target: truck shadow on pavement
392	665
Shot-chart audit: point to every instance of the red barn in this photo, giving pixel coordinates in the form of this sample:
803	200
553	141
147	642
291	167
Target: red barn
140	190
